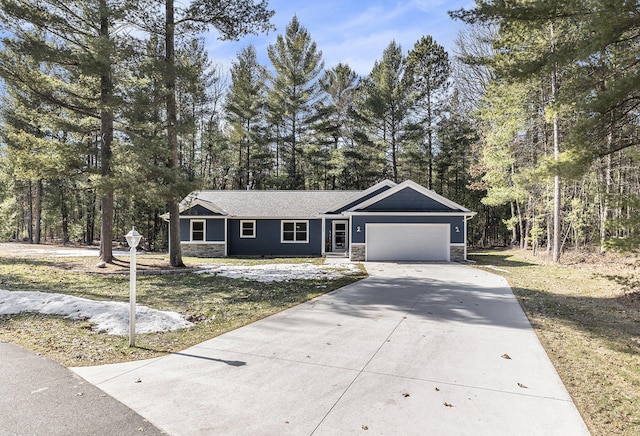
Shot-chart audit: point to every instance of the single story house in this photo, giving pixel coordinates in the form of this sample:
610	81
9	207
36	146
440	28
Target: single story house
387	222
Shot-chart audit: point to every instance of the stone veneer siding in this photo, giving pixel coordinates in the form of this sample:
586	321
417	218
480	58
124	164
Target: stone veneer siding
203	250
456	253
358	253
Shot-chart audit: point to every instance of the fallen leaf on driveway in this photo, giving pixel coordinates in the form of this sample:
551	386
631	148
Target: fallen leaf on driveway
364	427
522	386
506	356
448	404
405	394
437	389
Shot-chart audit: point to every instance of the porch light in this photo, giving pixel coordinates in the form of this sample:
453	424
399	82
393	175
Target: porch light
358	229
457	229
133	239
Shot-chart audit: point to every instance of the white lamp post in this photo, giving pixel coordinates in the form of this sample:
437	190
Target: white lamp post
133	239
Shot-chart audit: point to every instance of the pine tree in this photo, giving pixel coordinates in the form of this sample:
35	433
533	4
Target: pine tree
245	109
428	66
76	41
388	103
577	38
294	89
232	19
335	126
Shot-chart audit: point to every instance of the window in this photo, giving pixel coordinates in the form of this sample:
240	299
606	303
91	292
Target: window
248	229
295	231
197	230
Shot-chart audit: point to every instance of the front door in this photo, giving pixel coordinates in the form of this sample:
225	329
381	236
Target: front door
339	239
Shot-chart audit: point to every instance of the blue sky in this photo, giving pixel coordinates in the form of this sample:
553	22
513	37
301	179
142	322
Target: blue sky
352	31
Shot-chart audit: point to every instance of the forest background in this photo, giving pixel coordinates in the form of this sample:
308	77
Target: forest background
112	111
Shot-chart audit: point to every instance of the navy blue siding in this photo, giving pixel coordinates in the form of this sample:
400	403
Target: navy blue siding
408	200
361	220
268	237
214	228
362	199
185	229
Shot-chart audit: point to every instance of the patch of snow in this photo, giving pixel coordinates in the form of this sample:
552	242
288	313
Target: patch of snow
107	316
280	272
80	252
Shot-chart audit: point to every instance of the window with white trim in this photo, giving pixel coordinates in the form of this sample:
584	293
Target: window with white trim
198	228
248	228
295	231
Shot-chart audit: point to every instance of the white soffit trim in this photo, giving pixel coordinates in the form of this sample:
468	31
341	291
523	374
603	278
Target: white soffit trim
452	213
413	185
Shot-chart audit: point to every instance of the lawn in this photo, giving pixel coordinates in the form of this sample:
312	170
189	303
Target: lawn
215	304
586	313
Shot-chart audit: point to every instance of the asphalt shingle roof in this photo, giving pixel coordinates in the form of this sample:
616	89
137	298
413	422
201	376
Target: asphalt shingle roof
297	204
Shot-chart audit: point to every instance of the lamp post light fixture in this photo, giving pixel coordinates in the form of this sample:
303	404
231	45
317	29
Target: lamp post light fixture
133	239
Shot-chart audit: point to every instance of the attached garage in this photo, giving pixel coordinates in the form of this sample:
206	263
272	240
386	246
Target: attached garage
412	242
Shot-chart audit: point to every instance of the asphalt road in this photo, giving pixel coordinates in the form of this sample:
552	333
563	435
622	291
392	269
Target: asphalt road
40	397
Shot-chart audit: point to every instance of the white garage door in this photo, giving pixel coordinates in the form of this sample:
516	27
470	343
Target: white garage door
407	242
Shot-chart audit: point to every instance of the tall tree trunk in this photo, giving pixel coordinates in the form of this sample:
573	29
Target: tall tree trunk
175	250
556	158
293	174
604	211
38	212
430	144
514	227
521	225
64	214
394	151
106	139
30	212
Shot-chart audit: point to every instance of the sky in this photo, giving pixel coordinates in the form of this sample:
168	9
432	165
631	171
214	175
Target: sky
354	32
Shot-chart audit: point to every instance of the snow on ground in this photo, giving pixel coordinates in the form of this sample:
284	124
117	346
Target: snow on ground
68	252
107	316
113	317
280	272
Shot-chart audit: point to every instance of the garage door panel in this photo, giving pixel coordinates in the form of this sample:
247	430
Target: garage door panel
429	242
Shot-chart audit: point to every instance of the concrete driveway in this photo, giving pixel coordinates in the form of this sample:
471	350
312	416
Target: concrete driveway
415	349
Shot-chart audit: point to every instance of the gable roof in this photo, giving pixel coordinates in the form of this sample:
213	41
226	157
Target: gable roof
192	200
266	204
308	204
447	204
361	196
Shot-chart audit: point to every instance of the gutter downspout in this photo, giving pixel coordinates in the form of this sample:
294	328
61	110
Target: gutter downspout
323	236
226	238
466	218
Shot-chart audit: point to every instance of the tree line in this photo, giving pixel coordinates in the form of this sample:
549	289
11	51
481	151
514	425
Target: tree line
558	121
113	111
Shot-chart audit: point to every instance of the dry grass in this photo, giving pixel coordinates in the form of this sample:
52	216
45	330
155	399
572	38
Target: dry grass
586	313
216	304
